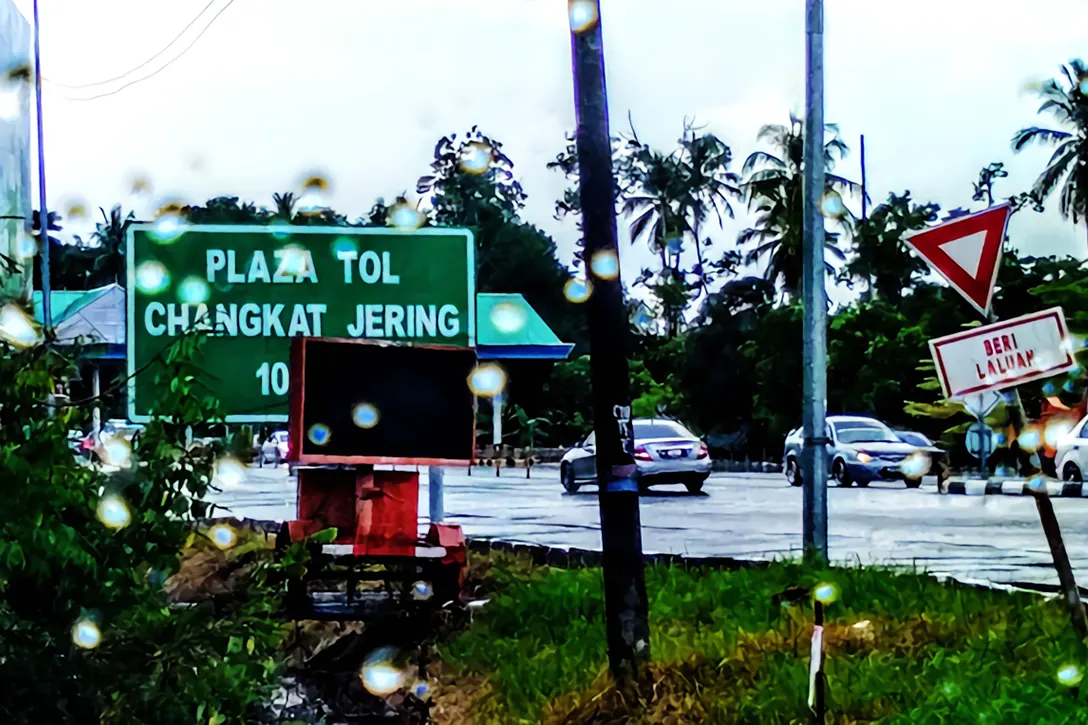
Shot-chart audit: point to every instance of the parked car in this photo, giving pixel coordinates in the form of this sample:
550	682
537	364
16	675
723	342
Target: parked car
664	452
862	450
274	450
1071	458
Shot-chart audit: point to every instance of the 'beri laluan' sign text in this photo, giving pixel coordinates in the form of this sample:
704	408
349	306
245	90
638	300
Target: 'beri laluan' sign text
254	288
1004	354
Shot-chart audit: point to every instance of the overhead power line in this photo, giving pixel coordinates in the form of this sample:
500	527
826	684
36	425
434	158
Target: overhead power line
147	62
158	70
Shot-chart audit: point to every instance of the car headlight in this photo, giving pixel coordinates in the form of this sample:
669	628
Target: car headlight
864	457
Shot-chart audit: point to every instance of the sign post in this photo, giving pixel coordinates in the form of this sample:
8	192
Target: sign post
254	288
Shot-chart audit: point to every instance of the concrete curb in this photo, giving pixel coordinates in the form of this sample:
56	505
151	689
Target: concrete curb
1054	489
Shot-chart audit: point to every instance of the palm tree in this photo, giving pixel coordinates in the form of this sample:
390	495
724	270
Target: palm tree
1067	101
669	197
285	205
773	190
112	233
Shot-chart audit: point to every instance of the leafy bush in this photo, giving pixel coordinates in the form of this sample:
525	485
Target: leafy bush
65	574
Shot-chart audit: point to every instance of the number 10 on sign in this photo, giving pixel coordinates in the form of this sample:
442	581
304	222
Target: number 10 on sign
274	378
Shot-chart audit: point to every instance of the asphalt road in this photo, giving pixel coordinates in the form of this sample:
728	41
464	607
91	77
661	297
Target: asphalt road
747	516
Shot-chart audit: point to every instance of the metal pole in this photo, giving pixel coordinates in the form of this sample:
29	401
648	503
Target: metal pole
626	622
96	390
864	187
814	458
1061	563
436	479
43	213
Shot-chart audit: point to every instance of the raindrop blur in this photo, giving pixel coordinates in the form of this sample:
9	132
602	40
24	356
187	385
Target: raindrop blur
223	536
380	675
1083	86
75	210
16	327
487	380
826	593
583	14
862	624
152	277
476	158
674	245
116	451
229	472
1069	675
1030	439
405	217
193	290
169	223
422	591
141	185
605	264
86	635
915	465
832	206
577	290
344	245
295	261
643	320
26	246
1037	483
422	689
312	202
1069	386
113	512
1056	429
364	415
1048	388
508	317
319	434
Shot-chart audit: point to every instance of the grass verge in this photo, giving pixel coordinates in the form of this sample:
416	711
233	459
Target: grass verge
732	646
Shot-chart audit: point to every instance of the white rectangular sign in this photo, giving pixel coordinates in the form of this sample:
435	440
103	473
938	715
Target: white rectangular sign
1004	354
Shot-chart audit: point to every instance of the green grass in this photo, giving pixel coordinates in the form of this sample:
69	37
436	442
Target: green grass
723	652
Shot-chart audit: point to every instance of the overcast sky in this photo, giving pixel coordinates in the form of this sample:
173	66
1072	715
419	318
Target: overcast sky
359	90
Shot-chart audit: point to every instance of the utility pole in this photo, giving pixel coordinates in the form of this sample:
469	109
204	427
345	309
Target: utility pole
43	214
814	458
627	626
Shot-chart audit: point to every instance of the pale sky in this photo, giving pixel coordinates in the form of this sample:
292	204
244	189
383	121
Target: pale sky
359	91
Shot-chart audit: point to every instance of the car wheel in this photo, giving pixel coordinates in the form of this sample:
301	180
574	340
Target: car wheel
1070	472
840	474
913	482
793	472
567	476
695	485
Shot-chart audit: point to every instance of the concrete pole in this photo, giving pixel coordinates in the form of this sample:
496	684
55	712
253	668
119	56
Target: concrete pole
814	458
96	390
436	478
496	422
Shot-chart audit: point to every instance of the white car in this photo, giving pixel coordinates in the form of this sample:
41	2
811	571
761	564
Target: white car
274	450
1071	456
665	452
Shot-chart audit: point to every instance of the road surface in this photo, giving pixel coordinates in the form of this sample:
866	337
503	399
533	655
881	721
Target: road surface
747	516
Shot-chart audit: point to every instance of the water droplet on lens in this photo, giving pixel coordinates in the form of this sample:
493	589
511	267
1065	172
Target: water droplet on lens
508	317
832	206
364	415
319	434
405	217
577	290
380	674
141	185
17	328
152	277
113	512
675	244
583	14
26	246
476	158
605	264
86	635
193	290
422	591
487	380
75	210
1069	675
169	223
229	473
223	536
116	451
826	593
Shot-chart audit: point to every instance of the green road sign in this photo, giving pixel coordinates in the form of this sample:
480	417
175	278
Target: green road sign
253	288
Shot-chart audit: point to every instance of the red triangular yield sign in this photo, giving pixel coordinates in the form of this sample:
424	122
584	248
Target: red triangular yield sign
966	251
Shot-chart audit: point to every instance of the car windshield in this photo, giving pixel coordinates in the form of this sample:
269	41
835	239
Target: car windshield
864	433
649	430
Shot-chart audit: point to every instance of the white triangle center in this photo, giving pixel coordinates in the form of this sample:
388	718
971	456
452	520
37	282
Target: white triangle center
966	252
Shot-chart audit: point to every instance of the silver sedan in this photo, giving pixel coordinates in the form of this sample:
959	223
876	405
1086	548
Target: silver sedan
665	452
